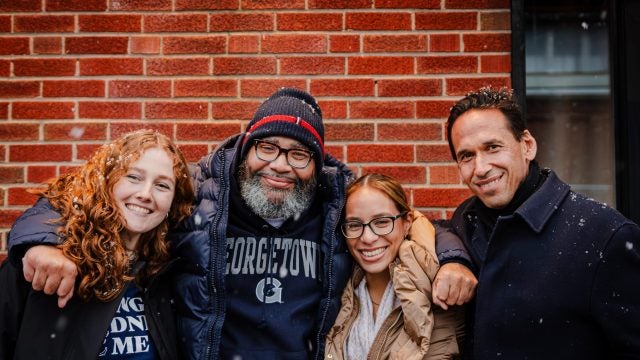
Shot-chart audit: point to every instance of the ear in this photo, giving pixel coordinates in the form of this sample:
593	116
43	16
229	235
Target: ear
529	145
407	222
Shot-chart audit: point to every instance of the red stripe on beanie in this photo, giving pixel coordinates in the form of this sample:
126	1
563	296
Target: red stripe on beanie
286	118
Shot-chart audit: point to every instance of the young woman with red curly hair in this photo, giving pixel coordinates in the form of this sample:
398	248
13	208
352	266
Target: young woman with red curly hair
111	217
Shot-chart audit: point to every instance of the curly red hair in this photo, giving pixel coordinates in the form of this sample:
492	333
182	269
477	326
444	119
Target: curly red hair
93	223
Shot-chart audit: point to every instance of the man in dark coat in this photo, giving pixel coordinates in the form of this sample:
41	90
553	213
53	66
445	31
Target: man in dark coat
557	272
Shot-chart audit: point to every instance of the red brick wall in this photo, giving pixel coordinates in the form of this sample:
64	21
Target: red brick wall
75	74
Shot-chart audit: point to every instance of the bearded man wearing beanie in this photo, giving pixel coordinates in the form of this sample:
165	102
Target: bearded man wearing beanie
264	261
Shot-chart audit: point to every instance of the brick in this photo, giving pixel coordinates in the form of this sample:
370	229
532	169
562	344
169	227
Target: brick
263	88
381	110
206	132
447	64
141	5
444	175
176	110
378	21
83	152
477	4
110	23
175	23
244	44
8	217
333	109
433	153
244	66
234	110
40	152
379	153
75	132
11	174
309	22
206	5
40	174
43	110
5	23
241	22
20	5
344	43
380	65
409	131
47	45
5	68
73	88
18	132
145	45
193	152
439	197
495	21
110	110
163	67
20	196
110	66
119	129
409	87
278	44
395	43
349	131
272	4
461	86
43	23
76	5
68	169
336	151
446	21
444	42
205	88
96	45
139	88
407	4
312	66
495	63
403	174
343	87
486	42
340	4
44	67
433	108
195	45
14	46
19	89
4	114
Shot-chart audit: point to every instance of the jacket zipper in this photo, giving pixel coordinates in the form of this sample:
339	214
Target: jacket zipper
319	337
212	333
386	334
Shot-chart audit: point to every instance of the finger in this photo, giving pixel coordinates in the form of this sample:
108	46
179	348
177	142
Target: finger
454	294
62	300
66	286
440	303
52	283
27	270
39	279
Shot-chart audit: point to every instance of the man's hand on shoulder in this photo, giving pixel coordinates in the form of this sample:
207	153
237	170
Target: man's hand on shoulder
455	284
50	271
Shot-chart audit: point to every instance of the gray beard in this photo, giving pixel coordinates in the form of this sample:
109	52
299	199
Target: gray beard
288	203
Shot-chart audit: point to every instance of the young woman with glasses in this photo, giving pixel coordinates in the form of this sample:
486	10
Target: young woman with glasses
387	308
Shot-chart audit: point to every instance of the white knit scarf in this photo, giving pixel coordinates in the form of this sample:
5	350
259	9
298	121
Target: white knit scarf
365	327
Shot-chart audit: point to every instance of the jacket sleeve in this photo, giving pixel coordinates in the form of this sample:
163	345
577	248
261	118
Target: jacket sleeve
36	226
615	300
449	246
12	299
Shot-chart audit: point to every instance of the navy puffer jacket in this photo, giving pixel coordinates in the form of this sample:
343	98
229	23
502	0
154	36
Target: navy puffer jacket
201	241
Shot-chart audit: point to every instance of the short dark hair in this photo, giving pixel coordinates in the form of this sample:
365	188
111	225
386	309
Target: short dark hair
488	98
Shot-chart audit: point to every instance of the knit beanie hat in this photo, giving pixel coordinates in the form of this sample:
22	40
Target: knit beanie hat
291	113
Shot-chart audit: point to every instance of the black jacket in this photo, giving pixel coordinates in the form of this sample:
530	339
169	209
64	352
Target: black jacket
558	279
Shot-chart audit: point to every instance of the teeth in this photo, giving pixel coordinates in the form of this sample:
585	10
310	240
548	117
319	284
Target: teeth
138	209
490	183
373	253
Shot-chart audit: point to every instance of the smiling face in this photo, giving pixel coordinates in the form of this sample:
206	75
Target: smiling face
374	252
144	193
492	162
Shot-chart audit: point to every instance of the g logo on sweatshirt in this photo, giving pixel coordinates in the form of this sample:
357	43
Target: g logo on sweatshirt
269	290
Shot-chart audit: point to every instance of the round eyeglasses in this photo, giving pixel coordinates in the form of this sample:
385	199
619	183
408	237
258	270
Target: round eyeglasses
382	225
296	158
